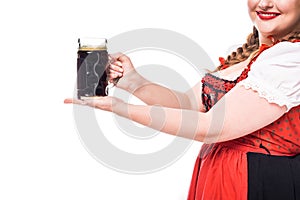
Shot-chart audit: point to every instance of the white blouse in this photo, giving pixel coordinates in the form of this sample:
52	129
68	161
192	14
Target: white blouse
275	75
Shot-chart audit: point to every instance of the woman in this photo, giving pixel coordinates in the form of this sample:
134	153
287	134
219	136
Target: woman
254	151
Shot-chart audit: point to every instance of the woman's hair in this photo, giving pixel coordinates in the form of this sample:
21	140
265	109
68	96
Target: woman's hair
250	48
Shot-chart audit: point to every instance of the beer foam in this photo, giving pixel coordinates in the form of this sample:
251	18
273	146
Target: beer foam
92	44
92	48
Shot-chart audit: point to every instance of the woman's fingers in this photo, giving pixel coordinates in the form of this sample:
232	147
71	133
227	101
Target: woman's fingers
115	70
114	76
74	101
115	67
100	102
117	63
89	101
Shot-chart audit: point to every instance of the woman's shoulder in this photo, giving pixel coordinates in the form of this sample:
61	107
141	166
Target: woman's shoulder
279	61
285	45
275	74
281	49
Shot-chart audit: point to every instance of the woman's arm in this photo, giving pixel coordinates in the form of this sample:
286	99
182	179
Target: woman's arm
149	92
241	111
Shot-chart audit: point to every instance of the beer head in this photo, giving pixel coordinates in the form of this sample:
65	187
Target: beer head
92	44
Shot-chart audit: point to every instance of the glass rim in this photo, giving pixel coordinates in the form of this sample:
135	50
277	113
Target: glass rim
92	42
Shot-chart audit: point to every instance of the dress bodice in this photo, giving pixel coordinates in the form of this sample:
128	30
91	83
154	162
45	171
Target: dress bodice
281	136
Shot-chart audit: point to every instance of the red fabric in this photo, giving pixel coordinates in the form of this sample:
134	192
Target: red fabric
222	63
220	171
212	178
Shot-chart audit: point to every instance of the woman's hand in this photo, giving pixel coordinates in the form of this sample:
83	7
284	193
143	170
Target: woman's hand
107	103
120	66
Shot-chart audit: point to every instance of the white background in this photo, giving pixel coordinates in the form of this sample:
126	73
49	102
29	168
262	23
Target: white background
41	154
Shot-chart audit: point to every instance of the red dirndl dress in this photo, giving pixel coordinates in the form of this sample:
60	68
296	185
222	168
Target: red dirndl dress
221	170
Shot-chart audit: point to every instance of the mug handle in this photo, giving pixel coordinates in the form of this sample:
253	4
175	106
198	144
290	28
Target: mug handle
115	81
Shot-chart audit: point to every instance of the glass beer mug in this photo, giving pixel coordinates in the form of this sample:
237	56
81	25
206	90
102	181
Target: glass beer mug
92	61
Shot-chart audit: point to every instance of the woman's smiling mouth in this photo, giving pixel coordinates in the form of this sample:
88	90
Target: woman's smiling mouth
267	15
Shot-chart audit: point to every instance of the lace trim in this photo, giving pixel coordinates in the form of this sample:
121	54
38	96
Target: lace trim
272	95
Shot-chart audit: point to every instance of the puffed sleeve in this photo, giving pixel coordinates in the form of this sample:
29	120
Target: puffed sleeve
275	75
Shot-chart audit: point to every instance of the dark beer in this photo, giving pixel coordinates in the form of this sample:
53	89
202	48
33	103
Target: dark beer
92	61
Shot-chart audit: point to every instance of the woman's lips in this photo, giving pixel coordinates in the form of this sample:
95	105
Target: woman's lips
267	15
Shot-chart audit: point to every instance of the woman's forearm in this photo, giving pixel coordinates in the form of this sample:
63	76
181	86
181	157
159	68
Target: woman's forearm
179	122
152	93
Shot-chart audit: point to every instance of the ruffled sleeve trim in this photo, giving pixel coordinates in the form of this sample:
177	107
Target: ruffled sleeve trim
272	95
275	75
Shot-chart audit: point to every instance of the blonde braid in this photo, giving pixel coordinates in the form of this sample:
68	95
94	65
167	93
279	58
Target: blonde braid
250	48
295	36
242	53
